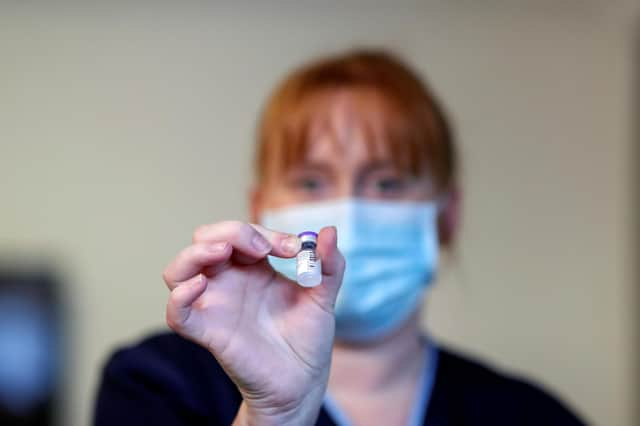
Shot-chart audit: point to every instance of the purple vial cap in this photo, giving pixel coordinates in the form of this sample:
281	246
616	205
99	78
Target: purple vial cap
307	233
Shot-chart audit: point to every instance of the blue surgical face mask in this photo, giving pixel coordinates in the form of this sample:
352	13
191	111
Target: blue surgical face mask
391	253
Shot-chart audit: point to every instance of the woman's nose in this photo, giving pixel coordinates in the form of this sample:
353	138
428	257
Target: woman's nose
346	188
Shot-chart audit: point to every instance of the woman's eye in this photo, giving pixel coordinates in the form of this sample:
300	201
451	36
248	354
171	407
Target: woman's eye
389	185
309	184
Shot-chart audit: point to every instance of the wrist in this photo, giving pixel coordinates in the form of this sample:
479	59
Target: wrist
302	412
247	416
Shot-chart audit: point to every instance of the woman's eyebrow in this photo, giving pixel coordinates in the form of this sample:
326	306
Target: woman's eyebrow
377	165
313	166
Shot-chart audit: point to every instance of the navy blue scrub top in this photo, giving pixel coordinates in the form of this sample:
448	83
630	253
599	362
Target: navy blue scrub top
167	380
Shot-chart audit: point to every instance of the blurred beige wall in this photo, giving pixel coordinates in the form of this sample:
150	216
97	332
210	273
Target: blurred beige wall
123	127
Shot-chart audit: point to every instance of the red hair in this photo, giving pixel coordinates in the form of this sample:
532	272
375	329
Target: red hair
414	125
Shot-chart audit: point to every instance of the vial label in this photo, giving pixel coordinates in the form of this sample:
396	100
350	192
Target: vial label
307	261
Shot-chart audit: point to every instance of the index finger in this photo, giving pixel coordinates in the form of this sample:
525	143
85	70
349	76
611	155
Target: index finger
254	241
193	259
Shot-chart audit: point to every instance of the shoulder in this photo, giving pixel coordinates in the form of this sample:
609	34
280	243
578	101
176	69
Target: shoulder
161	350
165	370
167	357
477	393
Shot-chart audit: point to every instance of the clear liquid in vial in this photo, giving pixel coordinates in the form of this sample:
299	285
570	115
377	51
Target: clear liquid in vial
308	265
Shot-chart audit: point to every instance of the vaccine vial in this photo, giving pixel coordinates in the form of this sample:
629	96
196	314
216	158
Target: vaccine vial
309	268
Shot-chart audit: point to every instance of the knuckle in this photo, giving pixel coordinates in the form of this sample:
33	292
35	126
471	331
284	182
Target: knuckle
171	322
199	233
232	224
183	256
165	275
242	230
170	316
242	226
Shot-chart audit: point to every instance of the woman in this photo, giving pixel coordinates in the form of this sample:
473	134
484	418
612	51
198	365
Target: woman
357	148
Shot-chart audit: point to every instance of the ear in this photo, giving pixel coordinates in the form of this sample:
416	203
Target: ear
255	203
449	216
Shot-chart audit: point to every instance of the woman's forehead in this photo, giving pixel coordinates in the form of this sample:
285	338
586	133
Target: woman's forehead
349	128
353	150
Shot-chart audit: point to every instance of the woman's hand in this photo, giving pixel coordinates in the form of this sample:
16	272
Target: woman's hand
271	336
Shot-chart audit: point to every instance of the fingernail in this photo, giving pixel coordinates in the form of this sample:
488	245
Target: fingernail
217	247
260	243
290	245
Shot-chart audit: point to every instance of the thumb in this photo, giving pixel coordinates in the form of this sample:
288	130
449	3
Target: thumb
333	265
